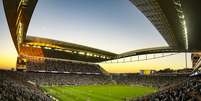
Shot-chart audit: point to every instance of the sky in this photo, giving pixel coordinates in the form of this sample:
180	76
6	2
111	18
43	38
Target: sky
112	25
8	53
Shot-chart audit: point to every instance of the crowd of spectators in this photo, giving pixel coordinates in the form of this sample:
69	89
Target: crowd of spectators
49	78
149	80
15	89
62	66
44	78
189	90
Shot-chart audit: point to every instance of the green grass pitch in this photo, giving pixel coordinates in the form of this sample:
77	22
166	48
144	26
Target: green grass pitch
97	92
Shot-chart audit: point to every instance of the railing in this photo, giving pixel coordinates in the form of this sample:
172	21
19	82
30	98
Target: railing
144	59
197	65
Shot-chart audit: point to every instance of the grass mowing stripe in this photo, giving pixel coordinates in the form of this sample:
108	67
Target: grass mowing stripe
89	95
57	93
97	92
70	93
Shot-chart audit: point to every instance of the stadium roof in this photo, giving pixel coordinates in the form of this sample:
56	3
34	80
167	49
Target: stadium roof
67	45
148	51
193	22
18	14
178	21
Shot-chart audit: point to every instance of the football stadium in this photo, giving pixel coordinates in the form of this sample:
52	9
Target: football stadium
138	50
